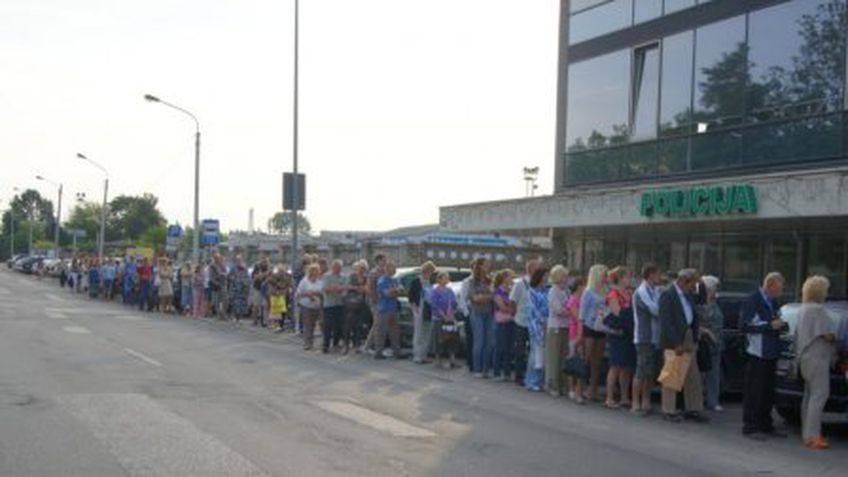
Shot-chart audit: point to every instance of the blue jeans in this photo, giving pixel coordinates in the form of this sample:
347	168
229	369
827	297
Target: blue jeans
144	295
483	326
534	378
504	348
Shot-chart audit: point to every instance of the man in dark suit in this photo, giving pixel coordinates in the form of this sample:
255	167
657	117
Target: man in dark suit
761	323
679	335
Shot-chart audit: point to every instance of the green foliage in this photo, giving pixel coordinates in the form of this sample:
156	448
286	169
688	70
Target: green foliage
153	237
131	216
281	223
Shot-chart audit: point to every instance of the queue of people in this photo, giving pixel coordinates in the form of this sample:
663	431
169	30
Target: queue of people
545	330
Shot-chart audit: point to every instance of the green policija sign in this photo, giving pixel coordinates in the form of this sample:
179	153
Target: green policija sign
700	201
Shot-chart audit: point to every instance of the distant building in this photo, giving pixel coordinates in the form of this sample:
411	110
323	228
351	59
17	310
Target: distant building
409	246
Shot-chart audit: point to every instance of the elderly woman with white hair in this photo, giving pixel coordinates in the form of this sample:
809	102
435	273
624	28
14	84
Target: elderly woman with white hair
712	323
815	351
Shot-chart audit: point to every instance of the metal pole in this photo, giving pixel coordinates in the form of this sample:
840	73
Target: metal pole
295	201
58	225
11	232
30	229
103	221
195	251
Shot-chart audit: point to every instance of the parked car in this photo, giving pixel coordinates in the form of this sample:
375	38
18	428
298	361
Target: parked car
734	357
28	264
11	262
790	390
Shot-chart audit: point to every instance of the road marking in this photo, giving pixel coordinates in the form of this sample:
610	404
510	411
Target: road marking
77	330
52	297
149	440
146	359
55	315
129	317
374	420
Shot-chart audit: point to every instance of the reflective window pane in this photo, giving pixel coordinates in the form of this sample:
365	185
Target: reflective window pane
672	156
827	257
644	10
640	161
716	150
598	101
783	257
597	21
720	74
672	6
646	72
578	5
741	266
819	137
705	257
797	58
676	84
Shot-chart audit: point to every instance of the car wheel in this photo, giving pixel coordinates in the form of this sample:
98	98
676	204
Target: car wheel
792	416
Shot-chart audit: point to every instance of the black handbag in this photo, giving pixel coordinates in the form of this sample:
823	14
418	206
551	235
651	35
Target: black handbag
704	356
576	366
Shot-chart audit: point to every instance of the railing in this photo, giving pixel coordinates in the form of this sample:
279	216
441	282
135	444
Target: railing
820	137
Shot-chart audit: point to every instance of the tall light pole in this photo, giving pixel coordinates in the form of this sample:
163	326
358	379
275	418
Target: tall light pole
195	249
58	215
295	201
12	226
531	175
102	241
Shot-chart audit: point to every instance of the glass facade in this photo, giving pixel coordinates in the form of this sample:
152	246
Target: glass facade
760	89
594	18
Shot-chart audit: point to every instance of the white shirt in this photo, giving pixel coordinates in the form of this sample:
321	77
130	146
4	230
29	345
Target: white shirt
305	286
520	295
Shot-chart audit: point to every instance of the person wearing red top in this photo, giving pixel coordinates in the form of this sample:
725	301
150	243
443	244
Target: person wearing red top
622	352
145	277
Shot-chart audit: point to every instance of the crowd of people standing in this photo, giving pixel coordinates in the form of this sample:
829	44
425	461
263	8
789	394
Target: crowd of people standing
545	329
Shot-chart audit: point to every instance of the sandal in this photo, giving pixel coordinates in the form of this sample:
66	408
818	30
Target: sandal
817	443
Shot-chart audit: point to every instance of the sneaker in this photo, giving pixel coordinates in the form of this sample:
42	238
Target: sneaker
673	417
572	395
696	417
478	375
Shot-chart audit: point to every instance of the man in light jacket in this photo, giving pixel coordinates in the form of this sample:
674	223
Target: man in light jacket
646	337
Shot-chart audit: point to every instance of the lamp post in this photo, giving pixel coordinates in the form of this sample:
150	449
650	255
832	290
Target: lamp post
195	248
12	226
58	215
102	241
531	174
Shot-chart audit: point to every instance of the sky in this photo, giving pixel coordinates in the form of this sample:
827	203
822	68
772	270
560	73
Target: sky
405	105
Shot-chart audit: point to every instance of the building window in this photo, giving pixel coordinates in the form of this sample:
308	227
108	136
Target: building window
720	74
598	95
827	257
644	10
797	59
598	19
672	6
645	92
676	84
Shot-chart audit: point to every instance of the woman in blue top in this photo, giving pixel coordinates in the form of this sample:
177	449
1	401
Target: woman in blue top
592	313
534	379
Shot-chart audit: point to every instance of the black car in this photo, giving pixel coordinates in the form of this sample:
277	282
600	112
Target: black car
790	390
11	262
733	357
29	264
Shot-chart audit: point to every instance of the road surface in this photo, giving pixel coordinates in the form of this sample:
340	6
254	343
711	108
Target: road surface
98	389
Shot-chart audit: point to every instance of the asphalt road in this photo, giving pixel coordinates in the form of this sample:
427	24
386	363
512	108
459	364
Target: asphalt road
95	389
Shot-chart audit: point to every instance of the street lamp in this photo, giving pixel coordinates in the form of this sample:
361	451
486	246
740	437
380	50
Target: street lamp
531	175
102	240
195	249
58	215
12	226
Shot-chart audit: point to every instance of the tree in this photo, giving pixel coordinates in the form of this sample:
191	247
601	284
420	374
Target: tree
281	223
28	209
85	216
154	237
131	216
